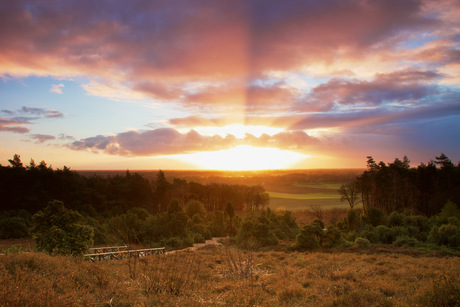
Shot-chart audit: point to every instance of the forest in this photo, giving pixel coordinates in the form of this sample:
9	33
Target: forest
388	203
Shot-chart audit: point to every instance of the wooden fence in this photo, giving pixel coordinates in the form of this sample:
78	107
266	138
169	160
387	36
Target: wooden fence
121	252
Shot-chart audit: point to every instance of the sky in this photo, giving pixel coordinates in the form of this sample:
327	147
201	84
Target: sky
217	84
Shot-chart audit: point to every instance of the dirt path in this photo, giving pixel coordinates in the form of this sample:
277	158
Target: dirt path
213	241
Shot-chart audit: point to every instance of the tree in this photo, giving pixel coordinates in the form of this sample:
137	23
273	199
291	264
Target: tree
57	230
160	193
177	219
350	193
16	161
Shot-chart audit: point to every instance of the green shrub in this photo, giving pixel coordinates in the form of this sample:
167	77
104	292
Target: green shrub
446	234
194	207
255	232
198	238
332	237
405	241
13	228
310	236
217	223
375	217
395	219
421	222
362	242
369	234
352	220
174	242
57	230
385	234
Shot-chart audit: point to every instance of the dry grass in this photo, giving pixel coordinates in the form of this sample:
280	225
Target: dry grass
218	275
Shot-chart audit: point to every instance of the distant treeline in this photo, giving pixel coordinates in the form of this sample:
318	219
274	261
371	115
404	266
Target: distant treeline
398	187
31	187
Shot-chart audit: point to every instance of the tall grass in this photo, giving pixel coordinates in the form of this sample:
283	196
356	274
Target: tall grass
217	275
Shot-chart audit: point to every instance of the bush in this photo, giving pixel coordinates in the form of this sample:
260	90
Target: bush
57	230
362	242
332	237
198	238
395	219
13	228
446	234
255	232
369	234
385	234
174	242
406	241
352	221
375	217
309	237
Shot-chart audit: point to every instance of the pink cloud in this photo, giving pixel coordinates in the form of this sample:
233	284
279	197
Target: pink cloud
165	141
401	86
11	125
41	138
226	40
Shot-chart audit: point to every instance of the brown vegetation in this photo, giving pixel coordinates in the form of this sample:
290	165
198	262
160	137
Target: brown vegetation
219	275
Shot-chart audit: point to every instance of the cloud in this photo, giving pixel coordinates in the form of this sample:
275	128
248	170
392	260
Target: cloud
151	49
41	138
40	112
57	88
378	118
396	87
164	141
11	125
19	124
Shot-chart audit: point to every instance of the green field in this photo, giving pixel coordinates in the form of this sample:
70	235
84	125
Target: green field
330	186
276	195
301	196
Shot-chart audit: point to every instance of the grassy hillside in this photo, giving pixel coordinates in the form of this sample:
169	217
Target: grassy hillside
218	275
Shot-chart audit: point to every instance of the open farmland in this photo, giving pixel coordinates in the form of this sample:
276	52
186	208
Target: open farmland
300	196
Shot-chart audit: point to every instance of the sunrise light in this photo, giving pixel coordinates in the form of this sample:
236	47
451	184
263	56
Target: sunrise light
245	157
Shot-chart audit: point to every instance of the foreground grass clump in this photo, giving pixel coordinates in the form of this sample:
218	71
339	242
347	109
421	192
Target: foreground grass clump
219	275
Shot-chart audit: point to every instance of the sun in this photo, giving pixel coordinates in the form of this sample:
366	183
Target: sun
245	157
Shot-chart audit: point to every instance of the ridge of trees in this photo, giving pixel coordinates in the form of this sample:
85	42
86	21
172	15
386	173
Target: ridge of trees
32	187
398	187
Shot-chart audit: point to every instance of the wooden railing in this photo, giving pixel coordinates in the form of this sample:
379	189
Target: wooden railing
122	254
106	249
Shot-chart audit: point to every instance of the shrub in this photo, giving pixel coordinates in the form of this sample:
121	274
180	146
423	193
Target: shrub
362	242
385	234
57	230
13	227
332	237
375	217
395	219
217	224
195	207
405	241
174	242
446	234
309	237
255	232
198	238
352	221
369	234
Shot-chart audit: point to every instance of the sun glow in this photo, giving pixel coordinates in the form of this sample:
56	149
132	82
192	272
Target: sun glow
245	157
237	130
